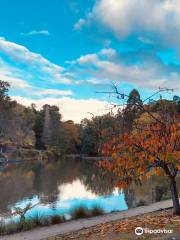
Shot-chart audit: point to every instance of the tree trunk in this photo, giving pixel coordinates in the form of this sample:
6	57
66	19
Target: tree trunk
176	205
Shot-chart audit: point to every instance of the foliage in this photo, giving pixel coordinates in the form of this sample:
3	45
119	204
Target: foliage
70	139
132	109
151	147
4	86
39	221
97	131
57	219
80	212
83	212
42	129
22	212
97	211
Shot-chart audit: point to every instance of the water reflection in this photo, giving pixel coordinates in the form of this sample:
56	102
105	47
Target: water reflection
58	187
68	183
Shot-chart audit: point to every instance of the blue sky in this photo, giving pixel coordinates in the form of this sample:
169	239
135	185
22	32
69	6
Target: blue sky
62	52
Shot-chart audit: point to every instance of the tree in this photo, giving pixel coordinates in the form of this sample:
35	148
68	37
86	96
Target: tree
152	147
38	129
133	108
71	138
4	87
16	121
176	99
97	131
22	212
51	125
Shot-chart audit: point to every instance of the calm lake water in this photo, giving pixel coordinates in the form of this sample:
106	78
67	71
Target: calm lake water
59	187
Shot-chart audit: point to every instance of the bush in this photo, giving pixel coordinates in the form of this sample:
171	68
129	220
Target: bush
80	212
57	219
97	211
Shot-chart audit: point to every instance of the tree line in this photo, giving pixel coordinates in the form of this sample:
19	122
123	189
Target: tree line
28	127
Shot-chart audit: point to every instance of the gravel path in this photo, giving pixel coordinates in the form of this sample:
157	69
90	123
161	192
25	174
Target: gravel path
75	225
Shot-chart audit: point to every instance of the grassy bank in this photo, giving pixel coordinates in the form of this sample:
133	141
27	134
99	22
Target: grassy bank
38	221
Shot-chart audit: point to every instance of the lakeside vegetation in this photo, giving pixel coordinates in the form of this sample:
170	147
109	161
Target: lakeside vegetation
24	224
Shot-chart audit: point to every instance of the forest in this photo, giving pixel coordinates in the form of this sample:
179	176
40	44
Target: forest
30	128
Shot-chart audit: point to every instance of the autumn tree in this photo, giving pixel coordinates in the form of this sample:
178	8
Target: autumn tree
70	139
152	147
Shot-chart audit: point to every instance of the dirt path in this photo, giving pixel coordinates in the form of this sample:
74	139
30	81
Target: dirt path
71	226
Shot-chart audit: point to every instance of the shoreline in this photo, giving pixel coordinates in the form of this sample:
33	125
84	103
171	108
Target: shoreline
77	225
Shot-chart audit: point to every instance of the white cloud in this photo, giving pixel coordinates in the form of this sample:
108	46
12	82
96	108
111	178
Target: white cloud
71	108
149	74
87	81
125	17
53	92
89	58
22	54
108	52
34	62
13	76
79	24
35	32
15	83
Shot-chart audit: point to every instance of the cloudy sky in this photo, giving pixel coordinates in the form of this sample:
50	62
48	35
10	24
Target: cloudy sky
62	52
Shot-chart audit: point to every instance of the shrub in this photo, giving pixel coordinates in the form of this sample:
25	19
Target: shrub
97	211
80	212
57	219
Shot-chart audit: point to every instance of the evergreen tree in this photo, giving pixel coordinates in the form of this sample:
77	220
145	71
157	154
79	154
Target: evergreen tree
133	109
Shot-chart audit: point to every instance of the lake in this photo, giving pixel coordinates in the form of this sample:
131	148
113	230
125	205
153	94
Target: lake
59	187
